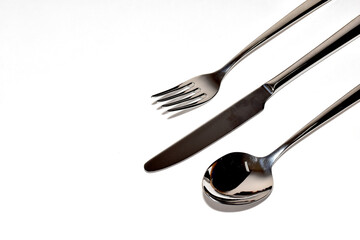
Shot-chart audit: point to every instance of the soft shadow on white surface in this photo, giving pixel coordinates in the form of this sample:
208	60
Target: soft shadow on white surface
229	208
77	122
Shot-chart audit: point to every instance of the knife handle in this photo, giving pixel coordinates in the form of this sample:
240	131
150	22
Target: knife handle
349	32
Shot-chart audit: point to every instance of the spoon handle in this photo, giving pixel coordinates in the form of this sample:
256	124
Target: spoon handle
291	18
340	106
339	39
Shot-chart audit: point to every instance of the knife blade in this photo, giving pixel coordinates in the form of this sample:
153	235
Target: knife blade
214	129
250	105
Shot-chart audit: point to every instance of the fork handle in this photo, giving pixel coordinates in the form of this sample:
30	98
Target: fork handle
291	18
339	39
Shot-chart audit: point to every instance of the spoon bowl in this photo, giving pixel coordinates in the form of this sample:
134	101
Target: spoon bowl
238	179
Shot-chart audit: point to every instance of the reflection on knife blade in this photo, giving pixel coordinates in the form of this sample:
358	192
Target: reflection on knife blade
219	126
250	105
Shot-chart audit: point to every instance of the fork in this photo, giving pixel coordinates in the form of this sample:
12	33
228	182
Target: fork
199	90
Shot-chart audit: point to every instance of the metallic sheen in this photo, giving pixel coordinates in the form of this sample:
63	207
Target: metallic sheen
208	133
199	90
245	180
249	106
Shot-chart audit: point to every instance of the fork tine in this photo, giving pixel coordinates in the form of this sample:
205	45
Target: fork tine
178	87
190	105
184	100
166	92
181	94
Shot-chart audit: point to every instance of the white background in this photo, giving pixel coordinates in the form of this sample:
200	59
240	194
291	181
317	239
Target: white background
77	122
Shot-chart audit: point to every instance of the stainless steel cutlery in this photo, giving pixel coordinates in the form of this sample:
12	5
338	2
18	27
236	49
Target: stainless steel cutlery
240	179
250	105
245	180
199	90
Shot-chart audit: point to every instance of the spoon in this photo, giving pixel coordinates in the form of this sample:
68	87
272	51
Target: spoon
242	180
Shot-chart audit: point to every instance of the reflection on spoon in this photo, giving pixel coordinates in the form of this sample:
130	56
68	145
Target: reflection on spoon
242	181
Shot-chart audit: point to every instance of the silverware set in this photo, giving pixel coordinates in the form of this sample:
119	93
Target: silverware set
240	180
201	89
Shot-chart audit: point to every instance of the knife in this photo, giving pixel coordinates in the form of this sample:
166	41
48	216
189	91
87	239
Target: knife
251	105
